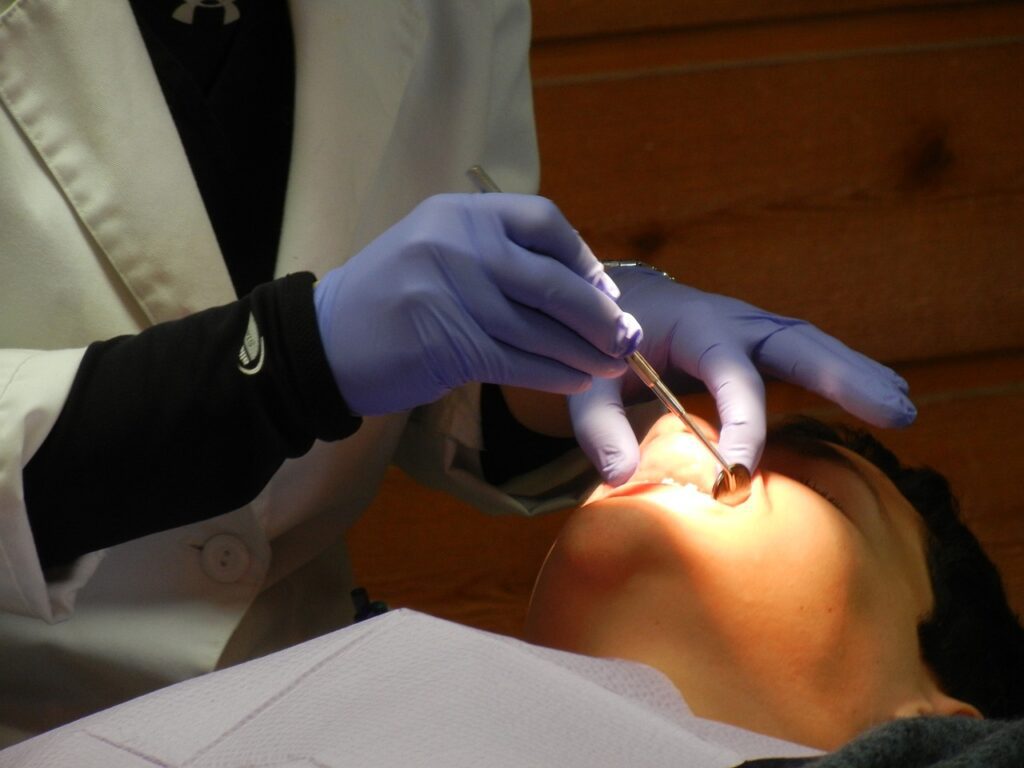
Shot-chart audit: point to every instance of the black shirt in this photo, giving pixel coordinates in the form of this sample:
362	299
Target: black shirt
230	84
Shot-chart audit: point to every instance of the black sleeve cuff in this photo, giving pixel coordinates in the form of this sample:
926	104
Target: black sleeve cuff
187	420
311	404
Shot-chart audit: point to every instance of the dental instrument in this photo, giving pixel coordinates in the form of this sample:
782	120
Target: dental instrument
732	486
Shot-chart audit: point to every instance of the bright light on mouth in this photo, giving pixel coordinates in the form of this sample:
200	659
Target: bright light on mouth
672	461
643	486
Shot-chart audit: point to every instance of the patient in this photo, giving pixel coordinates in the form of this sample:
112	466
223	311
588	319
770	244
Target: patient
821	606
845	592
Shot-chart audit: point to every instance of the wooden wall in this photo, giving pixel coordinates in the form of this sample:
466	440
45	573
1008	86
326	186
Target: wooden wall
859	163
872	156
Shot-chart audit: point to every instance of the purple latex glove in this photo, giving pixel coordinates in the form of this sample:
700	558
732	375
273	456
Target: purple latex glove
494	288
691	336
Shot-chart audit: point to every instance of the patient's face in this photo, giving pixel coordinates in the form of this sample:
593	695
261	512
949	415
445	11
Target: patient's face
794	614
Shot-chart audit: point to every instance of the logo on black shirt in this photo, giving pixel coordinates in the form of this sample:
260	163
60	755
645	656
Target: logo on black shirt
250	356
186	12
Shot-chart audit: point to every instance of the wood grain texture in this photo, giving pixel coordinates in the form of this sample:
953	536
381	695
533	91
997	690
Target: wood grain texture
580	18
867	176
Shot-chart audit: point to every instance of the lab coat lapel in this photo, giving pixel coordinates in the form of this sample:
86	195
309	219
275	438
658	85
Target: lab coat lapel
109	142
347	53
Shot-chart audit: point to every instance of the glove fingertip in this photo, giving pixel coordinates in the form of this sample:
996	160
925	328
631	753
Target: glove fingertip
906	415
891	409
614	453
618	472
747	454
629	334
900	412
604	283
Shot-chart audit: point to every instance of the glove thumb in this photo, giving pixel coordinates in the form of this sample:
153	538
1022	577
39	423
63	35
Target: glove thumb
603	432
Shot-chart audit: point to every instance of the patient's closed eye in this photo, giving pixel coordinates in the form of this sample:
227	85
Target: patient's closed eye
823	492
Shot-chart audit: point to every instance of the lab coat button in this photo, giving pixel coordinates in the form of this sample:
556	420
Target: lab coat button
225	558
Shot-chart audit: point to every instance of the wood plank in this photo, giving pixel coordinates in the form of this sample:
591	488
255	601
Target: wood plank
880	196
647	54
577	18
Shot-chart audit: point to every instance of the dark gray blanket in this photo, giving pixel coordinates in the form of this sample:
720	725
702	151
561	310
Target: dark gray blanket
934	742
925	742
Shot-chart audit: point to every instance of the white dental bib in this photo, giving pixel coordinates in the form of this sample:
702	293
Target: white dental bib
406	689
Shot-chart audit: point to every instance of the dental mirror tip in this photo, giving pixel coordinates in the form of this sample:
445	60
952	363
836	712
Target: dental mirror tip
732	487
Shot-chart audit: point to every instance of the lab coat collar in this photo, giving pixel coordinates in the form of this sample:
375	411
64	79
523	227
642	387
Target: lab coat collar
78	80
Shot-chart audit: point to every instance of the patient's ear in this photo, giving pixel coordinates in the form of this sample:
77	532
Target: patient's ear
936	703
947	705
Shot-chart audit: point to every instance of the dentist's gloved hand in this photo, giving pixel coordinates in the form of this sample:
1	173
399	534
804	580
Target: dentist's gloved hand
494	288
692	337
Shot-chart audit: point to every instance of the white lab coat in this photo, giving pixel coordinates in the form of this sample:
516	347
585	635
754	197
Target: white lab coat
103	232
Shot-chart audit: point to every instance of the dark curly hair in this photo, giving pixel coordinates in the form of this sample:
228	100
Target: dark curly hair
972	641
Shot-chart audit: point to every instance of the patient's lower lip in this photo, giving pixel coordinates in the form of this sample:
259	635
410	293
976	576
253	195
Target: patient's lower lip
623	491
633	489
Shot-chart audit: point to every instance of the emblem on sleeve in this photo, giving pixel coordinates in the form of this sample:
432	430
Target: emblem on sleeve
250	356
186	12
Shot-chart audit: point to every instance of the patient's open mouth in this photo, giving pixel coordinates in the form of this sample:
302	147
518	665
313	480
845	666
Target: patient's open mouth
645	486
670	455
